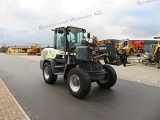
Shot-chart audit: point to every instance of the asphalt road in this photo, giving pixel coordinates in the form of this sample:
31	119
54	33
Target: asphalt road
125	101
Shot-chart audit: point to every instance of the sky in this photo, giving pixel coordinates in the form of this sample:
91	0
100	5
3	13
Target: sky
26	22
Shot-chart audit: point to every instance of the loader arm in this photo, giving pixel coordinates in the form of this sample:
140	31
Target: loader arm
109	54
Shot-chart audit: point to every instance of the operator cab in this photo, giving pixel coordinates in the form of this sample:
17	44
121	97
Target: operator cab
68	38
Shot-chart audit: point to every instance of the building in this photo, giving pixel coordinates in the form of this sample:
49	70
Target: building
17	49
157	36
0	50
3	49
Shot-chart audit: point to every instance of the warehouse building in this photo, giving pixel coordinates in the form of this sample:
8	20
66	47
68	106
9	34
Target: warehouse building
17	49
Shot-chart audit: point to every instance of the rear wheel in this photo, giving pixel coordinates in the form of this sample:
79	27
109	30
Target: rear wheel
110	77
48	76
79	82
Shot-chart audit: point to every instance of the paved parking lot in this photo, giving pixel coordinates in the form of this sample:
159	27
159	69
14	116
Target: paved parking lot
136	71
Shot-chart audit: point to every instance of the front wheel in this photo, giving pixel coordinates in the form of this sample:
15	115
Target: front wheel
48	76
110	77
79	82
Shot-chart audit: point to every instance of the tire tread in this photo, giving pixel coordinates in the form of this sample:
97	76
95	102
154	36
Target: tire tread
52	79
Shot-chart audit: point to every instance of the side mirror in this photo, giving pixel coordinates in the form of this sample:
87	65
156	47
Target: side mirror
83	30
88	35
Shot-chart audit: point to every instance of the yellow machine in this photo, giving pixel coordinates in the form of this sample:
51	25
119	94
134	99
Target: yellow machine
127	46
35	50
156	54
98	42
153	57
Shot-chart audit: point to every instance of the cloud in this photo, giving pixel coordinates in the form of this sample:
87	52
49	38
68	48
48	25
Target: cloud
20	20
73	7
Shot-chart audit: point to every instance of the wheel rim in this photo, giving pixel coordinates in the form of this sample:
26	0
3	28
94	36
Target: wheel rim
46	72
74	83
105	80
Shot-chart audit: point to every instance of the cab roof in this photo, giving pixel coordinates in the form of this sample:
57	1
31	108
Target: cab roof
66	27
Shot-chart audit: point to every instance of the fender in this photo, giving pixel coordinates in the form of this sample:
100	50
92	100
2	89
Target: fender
51	61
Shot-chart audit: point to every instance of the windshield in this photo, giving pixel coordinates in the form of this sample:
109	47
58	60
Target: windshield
75	36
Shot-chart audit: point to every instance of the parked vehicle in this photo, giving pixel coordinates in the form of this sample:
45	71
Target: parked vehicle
79	61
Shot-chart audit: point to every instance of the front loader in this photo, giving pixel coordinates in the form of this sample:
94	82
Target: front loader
79	61
153	57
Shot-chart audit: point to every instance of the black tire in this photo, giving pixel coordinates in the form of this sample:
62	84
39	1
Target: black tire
77	77
48	76
110	77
